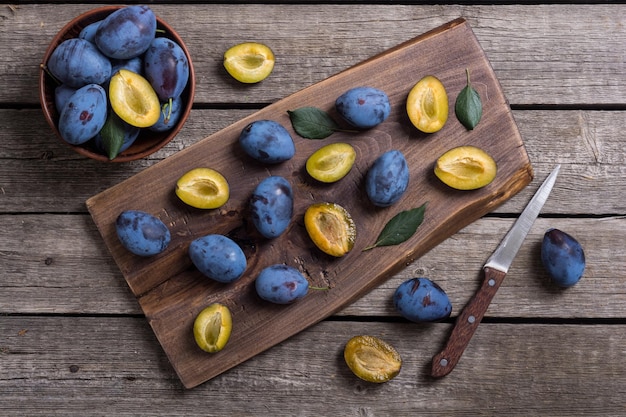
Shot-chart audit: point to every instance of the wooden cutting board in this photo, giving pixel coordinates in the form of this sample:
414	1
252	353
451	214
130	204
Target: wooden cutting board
171	291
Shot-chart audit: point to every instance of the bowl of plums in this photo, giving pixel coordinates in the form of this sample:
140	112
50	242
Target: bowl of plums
116	83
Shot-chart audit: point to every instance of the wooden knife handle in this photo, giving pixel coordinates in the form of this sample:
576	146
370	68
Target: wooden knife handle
466	324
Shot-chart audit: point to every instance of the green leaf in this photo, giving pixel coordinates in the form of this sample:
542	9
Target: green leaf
112	135
400	228
312	123
468	106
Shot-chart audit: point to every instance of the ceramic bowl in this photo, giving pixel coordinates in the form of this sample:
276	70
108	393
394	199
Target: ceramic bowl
148	141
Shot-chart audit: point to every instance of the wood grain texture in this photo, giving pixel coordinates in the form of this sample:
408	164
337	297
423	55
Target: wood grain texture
171	293
538	59
39	173
508	370
63	258
74	340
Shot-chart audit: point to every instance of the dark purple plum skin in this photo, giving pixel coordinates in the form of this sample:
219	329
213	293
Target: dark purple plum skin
363	107
127	32
142	233
62	94
267	141
133	64
166	68
281	284
89	32
422	300
218	257
563	257
387	179
77	62
83	115
271	206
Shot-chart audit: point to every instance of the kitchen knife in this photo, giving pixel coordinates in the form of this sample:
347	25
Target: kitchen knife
494	270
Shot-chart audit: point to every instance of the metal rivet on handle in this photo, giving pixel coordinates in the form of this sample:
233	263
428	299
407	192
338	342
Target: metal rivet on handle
471	319
443	362
491	282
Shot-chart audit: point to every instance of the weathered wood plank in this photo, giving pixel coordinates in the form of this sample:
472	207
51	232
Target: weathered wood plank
63	258
563	55
539	59
114	366
38	172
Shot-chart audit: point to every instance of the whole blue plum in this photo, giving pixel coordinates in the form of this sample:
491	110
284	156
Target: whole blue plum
267	141
281	284
127	32
271	206
363	107
387	179
218	257
562	257
170	114
83	115
77	62
421	300
166	68
142	233
88	33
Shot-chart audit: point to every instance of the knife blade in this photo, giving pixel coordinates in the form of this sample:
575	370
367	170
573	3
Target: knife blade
495	269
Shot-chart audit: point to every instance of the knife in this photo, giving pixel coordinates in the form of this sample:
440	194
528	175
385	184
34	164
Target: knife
494	270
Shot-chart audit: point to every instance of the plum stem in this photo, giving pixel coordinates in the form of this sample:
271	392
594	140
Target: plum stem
47	71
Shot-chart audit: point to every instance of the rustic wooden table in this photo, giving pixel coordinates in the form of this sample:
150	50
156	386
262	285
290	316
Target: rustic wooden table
74	342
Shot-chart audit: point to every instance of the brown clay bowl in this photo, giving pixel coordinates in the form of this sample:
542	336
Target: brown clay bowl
148	142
